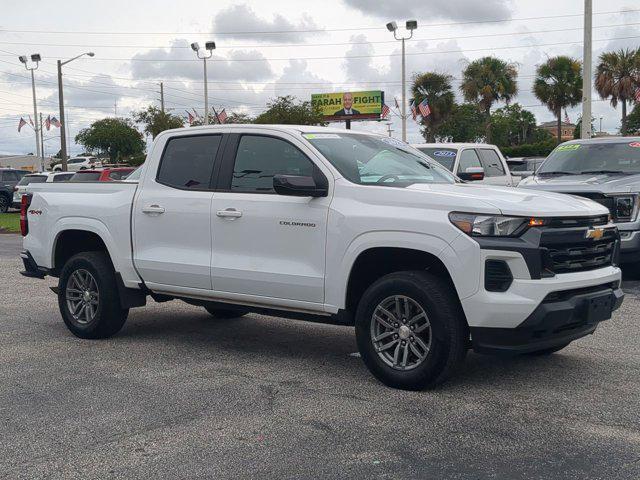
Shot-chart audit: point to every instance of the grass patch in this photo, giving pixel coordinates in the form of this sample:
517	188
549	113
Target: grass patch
9	222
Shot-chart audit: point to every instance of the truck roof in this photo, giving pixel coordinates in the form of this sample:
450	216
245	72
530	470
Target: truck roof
597	140
281	128
454	145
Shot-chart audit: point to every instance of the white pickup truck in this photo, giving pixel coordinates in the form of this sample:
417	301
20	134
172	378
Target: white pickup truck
325	224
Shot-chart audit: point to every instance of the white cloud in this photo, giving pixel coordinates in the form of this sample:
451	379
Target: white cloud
454	10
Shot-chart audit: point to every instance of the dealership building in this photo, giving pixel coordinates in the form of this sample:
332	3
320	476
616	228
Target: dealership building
24	162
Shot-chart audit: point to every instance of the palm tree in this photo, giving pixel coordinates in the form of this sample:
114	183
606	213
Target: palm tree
436	89
486	81
558	84
617	77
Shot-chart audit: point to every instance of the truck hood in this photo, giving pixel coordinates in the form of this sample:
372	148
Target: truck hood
601	183
511	201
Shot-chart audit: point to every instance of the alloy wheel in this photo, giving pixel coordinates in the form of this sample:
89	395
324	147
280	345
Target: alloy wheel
83	296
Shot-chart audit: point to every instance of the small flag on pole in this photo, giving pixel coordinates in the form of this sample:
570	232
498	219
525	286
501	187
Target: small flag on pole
47	123
424	108
21	124
190	117
414	112
55	122
197	114
222	116
638	95
397	104
30	121
566	117
385	111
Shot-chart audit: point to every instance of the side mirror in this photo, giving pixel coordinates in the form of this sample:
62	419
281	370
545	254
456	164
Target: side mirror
299	186
472	174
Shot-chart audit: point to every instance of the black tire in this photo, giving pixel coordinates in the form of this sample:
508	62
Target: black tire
548	351
5	203
225	313
448	333
109	315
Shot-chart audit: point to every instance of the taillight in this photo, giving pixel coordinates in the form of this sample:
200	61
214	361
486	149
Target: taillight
25	202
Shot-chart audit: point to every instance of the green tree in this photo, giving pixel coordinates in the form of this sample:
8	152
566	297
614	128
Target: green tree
115	136
512	125
617	78
239	118
486	81
465	124
558	84
436	89
288	110
156	121
632	122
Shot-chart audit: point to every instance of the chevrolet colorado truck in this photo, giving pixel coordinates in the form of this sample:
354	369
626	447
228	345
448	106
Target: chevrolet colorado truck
606	170
325	224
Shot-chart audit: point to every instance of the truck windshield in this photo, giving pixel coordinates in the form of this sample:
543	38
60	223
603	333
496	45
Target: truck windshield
444	156
373	160
585	158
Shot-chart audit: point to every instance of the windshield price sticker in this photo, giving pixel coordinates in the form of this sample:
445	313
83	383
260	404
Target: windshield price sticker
394	142
320	136
568	148
444	153
634	144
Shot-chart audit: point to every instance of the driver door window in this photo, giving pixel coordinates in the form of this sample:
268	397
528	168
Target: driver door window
468	158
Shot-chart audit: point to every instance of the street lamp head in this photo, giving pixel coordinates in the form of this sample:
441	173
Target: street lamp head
210	46
195	47
392	26
91	54
36	57
23	59
412	25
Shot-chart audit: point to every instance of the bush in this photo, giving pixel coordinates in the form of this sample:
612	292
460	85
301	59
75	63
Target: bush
541	149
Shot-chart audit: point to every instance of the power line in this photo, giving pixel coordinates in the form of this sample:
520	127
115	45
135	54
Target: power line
290	45
309	30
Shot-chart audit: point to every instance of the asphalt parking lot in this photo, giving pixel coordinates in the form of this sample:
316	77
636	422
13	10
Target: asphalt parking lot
178	394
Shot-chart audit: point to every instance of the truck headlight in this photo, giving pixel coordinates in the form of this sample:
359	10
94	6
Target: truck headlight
625	208
478	225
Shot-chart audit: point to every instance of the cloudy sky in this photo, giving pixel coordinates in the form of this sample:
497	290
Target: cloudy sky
265	49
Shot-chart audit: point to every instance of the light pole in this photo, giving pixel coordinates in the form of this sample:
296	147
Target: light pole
601	124
209	47
63	134
411	25
585	130
35	58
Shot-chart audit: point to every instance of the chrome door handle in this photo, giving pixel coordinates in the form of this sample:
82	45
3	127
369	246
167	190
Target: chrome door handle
229	213
153	209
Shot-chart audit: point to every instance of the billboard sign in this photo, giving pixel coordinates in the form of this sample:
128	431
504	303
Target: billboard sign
349	105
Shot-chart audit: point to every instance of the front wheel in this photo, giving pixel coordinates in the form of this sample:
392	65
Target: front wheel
4	204
88	296
410	330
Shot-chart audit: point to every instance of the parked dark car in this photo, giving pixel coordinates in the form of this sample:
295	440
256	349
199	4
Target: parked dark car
9	178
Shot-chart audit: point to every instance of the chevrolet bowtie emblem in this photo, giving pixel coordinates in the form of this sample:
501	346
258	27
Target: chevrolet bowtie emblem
595	233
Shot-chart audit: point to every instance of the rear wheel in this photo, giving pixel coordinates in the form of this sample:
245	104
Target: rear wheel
410	330
5	203
88	296
224	313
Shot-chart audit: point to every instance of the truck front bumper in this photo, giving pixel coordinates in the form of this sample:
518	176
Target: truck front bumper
563	316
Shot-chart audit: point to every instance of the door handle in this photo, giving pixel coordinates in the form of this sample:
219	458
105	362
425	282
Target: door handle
229	213
153	209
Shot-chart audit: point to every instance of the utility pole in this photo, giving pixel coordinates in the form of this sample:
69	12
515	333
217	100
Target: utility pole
585	130
115	108
208	53
162	97
389	128
35	58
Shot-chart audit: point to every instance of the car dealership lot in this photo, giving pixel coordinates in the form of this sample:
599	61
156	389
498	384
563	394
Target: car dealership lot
178	394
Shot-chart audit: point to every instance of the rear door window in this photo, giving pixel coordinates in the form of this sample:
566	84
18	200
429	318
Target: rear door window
187	162
8	176
86	177
491	163
62	178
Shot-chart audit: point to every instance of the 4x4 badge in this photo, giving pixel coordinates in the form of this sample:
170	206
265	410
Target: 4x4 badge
595	233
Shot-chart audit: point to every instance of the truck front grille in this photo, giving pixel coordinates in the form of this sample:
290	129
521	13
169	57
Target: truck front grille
576	258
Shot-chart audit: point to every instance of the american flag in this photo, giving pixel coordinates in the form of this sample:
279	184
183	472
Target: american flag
21	124
47	123
566	117
196	113
638	94
222	116
30	121
55	122
414	112
424	108
385	111
190	117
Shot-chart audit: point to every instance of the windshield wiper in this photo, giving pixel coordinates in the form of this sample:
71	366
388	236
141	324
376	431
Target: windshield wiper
603	171
558	172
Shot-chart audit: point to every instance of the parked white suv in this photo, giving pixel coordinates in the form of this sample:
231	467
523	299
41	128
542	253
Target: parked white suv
79	163
476	162
325	224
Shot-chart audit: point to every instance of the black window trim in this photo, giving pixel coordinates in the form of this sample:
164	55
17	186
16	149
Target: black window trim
228	162
459	157
216	161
